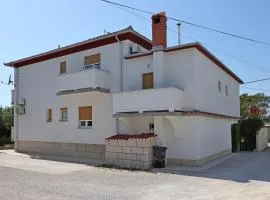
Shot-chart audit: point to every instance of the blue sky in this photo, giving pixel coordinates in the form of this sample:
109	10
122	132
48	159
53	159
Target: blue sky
29	27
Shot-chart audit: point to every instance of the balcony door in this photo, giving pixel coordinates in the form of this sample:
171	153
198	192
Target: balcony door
148	80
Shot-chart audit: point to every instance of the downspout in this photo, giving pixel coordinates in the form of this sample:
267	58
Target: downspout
121	77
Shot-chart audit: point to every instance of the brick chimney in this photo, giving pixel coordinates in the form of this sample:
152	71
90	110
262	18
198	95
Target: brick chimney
159	30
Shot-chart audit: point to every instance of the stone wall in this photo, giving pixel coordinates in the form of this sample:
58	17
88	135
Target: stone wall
92	151
130	152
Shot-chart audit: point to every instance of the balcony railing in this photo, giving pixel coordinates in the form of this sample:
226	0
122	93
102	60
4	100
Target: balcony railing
162	99
90	78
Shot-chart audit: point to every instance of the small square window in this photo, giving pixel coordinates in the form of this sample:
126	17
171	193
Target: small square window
151	126
82	123
89	123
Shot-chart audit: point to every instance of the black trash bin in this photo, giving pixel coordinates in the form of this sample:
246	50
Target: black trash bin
159	156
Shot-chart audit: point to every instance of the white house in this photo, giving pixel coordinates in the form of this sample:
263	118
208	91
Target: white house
68	100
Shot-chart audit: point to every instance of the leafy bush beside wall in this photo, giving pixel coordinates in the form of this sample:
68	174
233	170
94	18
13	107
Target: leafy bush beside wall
6	122
249	127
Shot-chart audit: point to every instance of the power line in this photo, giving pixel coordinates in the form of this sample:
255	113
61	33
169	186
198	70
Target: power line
262	90
2	82
225	53
259	80
192	24
239	59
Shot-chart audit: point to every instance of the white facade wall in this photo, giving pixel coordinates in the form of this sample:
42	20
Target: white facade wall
214	134
135	125
193	72
133	70
186	137
208	98
38	85
179	72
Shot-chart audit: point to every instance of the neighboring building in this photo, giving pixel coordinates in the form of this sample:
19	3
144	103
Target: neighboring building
70	99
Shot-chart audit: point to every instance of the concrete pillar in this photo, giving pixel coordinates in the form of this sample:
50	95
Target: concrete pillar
158	68
160	131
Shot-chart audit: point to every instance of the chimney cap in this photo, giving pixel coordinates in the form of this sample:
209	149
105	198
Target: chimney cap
158	16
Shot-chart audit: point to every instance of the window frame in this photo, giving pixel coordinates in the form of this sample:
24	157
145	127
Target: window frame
63	118
96	65
60	67
86	121
49	113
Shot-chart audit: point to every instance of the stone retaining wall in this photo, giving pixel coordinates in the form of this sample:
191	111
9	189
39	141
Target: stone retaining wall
131	153
93	151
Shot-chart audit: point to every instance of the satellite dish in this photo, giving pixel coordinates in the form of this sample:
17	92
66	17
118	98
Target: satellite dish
9	80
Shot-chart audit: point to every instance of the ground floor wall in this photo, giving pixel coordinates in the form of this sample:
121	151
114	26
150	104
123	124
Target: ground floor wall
190	140
34	127
194	140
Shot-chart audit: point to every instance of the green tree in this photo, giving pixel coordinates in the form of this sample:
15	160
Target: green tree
262	100
6	120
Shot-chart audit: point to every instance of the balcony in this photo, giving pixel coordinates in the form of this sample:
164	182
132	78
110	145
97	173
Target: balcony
162	99
86	80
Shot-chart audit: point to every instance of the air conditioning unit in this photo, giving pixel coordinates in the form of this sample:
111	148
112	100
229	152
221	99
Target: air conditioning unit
21	101
135	49
20	109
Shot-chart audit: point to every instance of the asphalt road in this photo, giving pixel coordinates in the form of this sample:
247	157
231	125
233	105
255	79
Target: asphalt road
243	176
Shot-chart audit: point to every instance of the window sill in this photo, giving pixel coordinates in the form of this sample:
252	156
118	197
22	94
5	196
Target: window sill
62	74
49	121
61	120
89	127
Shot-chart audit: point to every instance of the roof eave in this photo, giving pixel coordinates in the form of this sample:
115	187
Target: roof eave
148	42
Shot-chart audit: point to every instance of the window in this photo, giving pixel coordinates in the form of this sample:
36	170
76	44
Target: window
226	90
92	62
49	115
63	67
63	114
85	116
219	86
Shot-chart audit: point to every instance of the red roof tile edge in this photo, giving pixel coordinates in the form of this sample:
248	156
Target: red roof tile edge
127	136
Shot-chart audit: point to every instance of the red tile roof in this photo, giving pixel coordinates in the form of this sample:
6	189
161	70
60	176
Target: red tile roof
127	136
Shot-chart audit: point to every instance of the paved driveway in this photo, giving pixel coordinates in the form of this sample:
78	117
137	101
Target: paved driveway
243	176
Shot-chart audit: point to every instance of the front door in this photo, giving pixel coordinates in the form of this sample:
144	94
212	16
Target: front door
148	80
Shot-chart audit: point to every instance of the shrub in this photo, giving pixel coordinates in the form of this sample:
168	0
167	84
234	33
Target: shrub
5	140
248	129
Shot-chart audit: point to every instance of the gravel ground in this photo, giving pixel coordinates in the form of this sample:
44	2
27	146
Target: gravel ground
243	176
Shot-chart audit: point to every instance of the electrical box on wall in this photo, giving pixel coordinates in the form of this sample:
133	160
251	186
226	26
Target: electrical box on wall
20	109
21	101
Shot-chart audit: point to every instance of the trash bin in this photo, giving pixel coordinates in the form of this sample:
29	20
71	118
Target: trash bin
159	155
